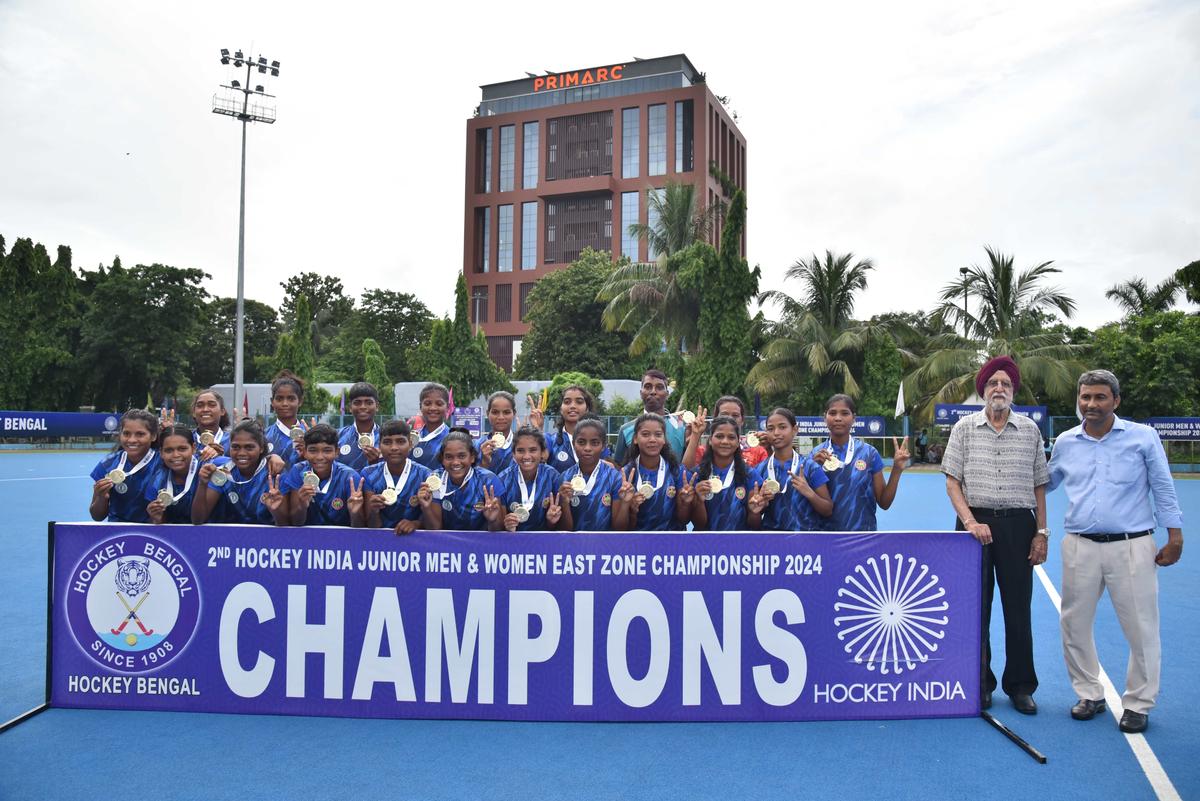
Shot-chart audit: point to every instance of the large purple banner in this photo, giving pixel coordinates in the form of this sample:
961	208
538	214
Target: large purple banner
582	627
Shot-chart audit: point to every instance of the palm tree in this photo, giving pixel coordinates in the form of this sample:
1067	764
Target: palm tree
1139	299
1010	319
645	299
816	334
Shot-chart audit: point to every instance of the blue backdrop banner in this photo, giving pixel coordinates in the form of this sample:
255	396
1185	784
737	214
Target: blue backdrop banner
565	627
814	426
28	425
947	414
1176	427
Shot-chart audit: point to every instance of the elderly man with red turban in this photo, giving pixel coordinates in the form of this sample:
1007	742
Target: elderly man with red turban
996	478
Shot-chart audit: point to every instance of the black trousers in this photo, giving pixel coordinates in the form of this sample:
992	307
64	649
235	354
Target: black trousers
1006	563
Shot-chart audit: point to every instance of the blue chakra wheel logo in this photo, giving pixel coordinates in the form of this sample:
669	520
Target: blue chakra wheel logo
133	603
887	615
874	426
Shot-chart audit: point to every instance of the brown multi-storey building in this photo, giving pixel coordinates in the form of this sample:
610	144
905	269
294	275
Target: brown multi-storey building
563	161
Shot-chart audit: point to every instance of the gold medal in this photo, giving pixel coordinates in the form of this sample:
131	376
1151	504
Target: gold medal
688	417
166	497
413	439
389	495
116	475
832	463
434	482
752	440
296	432
311	479
220	477
646	490
365	440
498	439
771	486
578	484
207	438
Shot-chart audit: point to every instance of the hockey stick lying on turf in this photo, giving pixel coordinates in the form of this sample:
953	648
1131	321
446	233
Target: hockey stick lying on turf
133	615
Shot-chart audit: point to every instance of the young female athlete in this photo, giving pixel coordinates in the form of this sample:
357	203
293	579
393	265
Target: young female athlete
794	486
321	490
531	487
657	492
590	488
470	496
495	448
435	405
576	403
358	443
855	470
726	497
170	495
121	477
753	452
394	490
242	491
212	425
285	438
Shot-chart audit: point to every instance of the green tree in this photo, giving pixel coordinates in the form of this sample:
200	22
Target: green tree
1189	280
1157	359
328	304
211	353
398	321
1010	318
816	345
726	285
377	375
1137	298
565	330
563	380
883	369
680	218
39	325
454	357
294	352
137	330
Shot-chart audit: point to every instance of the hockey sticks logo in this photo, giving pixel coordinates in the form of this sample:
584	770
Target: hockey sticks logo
133	603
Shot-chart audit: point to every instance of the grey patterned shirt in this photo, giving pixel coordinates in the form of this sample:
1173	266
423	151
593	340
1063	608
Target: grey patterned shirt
998	470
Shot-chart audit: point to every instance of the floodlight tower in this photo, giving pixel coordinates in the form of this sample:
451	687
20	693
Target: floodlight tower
261	109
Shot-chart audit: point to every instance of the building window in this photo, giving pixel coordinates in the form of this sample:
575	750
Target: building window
684	136
503	303
528	236
629	216
579	146
525	290
579	221
631	138
508	155
504	233
482	240
652	217
483	158
479	305
529	161
656	151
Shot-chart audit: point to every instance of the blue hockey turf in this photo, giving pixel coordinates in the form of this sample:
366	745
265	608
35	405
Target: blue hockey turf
71	754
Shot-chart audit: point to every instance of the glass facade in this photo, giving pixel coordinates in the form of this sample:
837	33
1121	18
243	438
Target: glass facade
684	136
656	150
528	236
483	226
629	216
484	184
558	97
504	258
529	158
630	143
508	156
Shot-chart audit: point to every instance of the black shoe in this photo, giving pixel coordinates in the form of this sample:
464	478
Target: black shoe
1024	703
986	701
1133	722
1087	709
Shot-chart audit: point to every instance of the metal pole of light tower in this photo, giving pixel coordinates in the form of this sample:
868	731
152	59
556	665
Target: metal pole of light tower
259	113
966	290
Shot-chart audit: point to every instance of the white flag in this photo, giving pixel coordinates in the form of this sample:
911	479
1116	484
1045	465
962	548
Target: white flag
900	400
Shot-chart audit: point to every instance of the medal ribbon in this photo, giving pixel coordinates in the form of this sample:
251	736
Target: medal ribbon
783	485
433	433
187	485
374	436
526	491
261	466
662	473
387	475
849	449
591	480
445	477
320	490
220	437
147	459
725	482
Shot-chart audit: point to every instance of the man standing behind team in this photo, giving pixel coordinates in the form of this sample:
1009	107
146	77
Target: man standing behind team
996	478
655	389
1110	468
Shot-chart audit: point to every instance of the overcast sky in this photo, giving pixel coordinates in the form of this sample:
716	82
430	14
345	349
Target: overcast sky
911	134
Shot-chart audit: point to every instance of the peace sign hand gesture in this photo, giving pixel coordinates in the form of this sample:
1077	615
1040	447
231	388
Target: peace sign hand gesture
166	418
625	491
554	510
493	510
688	489
799	482
537	418
758	500
696	429
273	498
900	456
355	499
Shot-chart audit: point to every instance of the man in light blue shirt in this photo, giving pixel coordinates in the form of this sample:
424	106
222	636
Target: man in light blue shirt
1111	468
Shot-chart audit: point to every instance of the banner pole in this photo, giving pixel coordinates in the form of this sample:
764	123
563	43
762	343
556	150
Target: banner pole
42	707
1016	738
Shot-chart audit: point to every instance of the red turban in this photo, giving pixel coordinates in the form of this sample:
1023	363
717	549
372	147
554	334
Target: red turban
992	367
